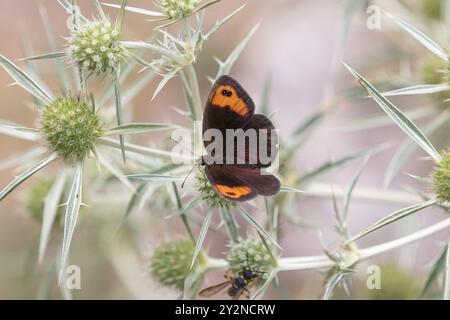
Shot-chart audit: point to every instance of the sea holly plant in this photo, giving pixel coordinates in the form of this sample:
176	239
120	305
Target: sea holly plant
170	11
433	80
72	131
177	62
77	129
439	179
94	47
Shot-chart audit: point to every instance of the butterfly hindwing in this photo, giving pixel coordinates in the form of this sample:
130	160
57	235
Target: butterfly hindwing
226	183
241	183
266	137
263	183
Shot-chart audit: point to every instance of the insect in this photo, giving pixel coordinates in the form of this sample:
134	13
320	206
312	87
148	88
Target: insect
236	285
229	106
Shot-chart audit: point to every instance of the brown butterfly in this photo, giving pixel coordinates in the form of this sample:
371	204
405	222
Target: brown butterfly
229	106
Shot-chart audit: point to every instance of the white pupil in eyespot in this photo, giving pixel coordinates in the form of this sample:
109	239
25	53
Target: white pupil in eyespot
227	93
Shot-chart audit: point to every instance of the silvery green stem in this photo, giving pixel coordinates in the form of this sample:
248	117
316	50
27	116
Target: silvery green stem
374	250
188	95
369	194
193	85
322	261
213	263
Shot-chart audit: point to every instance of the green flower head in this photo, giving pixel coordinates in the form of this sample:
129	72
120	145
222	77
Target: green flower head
208	194
70	127
170	263
432	8
251	253
177	9
35	197
441	179
96	48
436	71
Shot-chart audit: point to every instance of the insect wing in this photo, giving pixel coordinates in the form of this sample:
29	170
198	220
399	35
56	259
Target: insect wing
210	291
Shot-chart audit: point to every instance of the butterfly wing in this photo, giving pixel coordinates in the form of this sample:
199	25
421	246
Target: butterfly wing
266	137
241	182
229	106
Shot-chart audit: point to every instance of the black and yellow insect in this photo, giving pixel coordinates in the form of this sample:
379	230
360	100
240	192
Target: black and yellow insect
237	285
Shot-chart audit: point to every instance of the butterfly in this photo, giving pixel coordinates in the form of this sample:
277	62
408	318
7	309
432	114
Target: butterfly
229	106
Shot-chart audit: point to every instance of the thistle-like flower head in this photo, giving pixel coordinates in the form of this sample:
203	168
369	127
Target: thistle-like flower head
177	9
170	262
251	253
70	127
441	179
96	48
34	199
208	194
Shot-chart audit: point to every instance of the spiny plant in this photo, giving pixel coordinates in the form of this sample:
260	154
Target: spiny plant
76	130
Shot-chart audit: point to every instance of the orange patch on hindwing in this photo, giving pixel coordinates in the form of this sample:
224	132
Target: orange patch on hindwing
233	192
226	96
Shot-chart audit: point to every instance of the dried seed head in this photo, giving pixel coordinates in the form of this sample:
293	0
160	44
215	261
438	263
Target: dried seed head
170	262
71	128
96	48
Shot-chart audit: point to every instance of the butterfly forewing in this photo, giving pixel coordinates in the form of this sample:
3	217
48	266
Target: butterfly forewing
241	183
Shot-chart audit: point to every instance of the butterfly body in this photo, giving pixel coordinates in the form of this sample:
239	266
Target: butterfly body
236	169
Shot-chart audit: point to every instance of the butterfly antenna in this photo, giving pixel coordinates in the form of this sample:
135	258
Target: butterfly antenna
184	147
190	172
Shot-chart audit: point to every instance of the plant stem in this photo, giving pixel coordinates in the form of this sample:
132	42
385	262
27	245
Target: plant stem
372	251
119	115
369	194
157	153
183	215
230	224
195	90
322	261
213	264
188	96
82	85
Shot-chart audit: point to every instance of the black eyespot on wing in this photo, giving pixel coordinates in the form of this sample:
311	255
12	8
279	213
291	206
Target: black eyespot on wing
240	91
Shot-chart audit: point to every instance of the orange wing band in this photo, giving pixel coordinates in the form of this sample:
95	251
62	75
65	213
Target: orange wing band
233	192
226	96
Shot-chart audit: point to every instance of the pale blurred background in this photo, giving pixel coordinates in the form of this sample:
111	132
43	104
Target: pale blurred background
298	44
